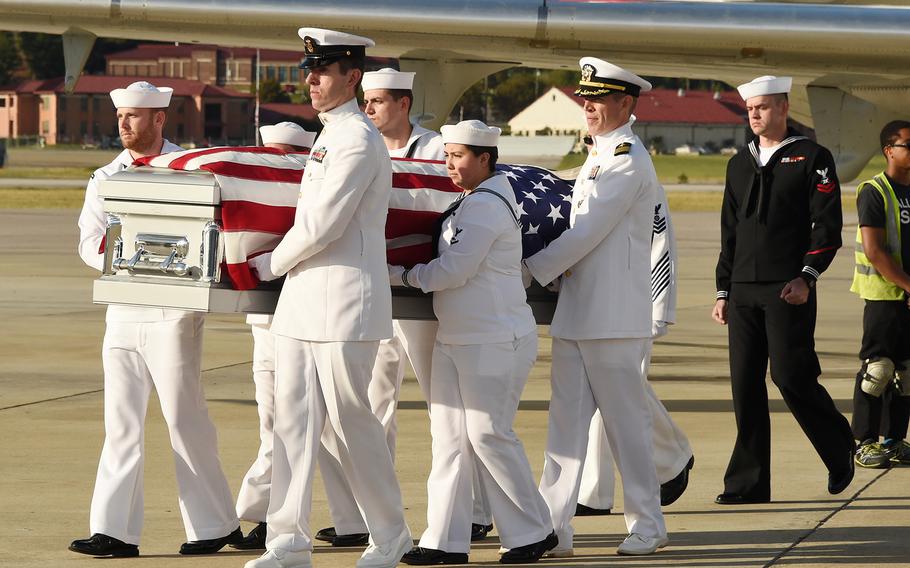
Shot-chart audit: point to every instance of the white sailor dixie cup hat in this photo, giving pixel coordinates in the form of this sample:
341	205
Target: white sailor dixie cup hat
765	85
142	94
323	47
599	78
287	133
388	78
470	133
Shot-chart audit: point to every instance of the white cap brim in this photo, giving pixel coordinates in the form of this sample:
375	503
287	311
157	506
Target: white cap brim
125	98
277	134
767	85
470	133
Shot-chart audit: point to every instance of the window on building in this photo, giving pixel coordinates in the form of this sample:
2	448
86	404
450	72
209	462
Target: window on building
282	74
83	104
83	128
45	127
46	101
295	75
62	104
96	104
2	102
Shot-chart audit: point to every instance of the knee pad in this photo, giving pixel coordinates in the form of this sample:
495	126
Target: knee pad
902	379
877	375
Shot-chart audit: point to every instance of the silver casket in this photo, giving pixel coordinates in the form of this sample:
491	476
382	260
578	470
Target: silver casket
164	247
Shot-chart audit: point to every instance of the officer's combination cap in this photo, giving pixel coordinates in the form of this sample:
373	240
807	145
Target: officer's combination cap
142	94
287	133
388	78
324	47
599	78
470	133
765	85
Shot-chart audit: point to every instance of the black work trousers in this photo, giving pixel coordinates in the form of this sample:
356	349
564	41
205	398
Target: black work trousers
886	333
761	327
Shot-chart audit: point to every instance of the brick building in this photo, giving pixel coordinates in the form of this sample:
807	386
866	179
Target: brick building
232	67
199	114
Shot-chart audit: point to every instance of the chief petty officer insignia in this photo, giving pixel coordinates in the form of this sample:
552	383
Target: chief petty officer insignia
623	149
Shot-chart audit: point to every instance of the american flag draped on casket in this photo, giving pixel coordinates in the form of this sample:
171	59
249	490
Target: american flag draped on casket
259	188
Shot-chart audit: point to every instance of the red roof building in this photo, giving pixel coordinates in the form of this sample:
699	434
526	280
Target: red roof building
666	118
198	113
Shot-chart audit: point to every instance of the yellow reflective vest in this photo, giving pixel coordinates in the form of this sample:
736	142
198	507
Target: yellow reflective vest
867	282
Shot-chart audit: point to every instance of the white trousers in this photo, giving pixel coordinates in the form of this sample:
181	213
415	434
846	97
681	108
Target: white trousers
323	386
253	499
671	450
412	341
474	393
166	355
600	374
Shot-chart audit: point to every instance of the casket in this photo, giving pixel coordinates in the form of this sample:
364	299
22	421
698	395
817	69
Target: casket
165	247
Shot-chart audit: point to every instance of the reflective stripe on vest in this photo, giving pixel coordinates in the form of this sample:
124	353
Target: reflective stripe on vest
867	282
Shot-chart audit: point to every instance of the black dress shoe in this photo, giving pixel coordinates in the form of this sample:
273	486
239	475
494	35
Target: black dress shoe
673	489
325	535
329	535
839	481
254	540
211	545
726	498
102	545
479	531
530	552
585	511
419	556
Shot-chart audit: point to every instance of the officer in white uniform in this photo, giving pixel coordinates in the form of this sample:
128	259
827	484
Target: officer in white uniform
334	308
672	452
602	324
253	499
388	97
485	348
146	348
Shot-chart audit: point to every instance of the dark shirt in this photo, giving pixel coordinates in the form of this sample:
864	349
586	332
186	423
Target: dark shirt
871	209
781	220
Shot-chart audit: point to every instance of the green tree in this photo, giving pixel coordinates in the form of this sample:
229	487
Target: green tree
43	54
9	57
270	91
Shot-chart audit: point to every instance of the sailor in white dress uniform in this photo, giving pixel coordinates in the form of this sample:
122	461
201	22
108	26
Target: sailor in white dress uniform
602	324
485	347
388	98
672	453
335	306
253	498
146	348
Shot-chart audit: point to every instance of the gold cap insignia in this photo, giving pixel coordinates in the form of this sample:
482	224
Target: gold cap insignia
587	72
308	45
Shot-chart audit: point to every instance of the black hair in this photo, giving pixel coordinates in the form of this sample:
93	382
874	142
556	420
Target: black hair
346	64
493	151
891	132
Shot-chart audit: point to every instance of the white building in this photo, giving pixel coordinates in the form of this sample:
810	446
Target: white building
666	118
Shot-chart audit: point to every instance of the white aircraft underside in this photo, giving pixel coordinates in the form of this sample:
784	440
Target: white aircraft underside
849	58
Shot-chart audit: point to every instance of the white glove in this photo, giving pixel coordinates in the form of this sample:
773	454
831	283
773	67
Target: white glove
526	278
658	329
395	273
262	267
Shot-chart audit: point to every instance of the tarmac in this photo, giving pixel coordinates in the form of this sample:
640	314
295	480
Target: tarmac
51	428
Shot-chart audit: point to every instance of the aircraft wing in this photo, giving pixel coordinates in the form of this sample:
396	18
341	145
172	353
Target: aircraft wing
849	61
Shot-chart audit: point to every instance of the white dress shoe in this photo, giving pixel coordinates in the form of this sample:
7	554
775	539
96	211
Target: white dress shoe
638	545
277	558
560	552
387	554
